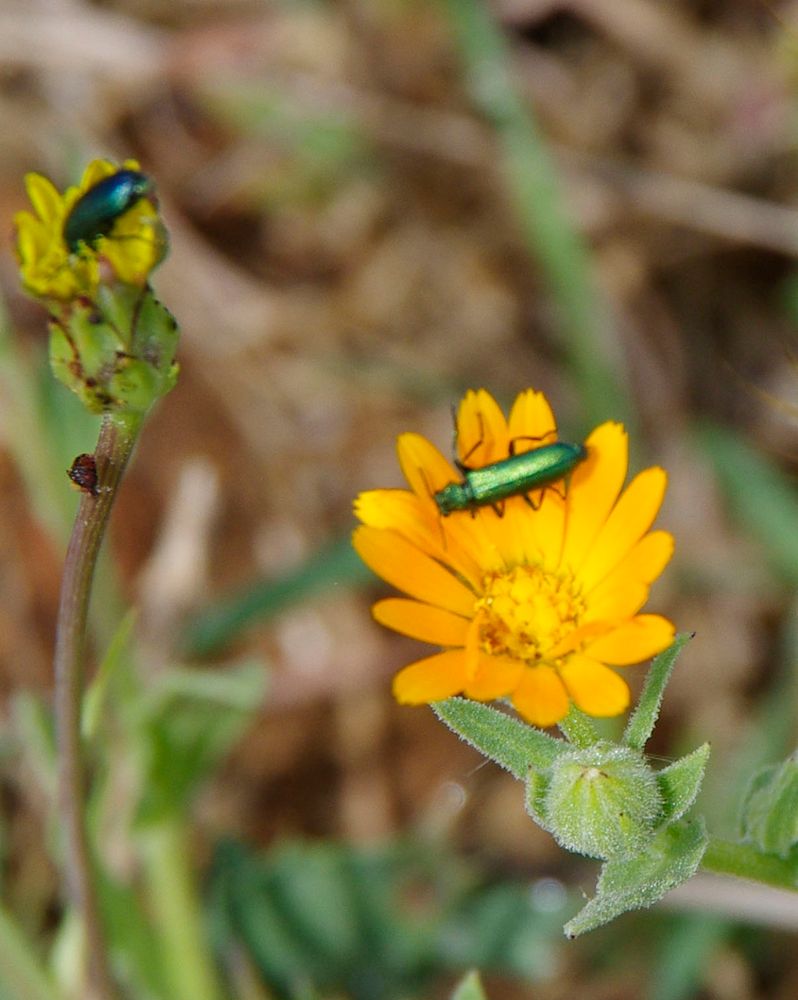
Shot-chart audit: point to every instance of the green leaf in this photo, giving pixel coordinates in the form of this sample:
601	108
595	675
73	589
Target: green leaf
190	720
681	782
23	974
633	883
760	496
686	946
376	924
770	809
512	744
641	722
335	565
469	988
96	694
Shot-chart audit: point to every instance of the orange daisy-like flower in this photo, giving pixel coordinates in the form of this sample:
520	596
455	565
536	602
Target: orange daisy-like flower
50	270
532	601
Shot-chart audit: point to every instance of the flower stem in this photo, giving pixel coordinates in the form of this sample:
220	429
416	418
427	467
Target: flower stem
114	446
745	861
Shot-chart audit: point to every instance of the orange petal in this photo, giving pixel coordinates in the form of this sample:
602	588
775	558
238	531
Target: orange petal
540	697
627	524
541	531
636	640
495	677
616	599
593	687
482	435
644	561
421	621
410	570
423	466
593	490
432	679
395	509
531	421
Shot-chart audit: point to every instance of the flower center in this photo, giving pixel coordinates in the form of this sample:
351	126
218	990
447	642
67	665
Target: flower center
527	611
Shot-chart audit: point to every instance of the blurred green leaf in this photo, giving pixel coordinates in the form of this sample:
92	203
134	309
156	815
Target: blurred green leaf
685	945
190	720
762	498
770	810
469	988
534	191
22	972
372	925
335	566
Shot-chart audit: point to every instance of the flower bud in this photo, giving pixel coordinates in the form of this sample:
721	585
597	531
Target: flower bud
603	801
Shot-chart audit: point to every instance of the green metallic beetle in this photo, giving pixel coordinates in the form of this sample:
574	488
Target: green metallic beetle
515	476
93	215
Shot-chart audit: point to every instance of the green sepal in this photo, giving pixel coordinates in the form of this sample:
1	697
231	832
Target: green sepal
537	788
83	355
680	782
634	883
769	816
513	745
118	353
641	722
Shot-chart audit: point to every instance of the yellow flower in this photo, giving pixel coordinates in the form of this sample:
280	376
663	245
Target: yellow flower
50	271
535	602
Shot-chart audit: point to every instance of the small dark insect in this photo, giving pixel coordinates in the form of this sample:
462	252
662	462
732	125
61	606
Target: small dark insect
95	212
84	474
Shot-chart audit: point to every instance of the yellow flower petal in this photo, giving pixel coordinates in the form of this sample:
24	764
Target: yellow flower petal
540	697
531	422
593	489
616	599
634	641
424	468
593	687
421	621
644	562
494	677
543	531
626	525
400	563
432	679
95	172
482	436
44	197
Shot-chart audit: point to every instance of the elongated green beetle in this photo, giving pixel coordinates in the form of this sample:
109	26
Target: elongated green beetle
93	215
515	476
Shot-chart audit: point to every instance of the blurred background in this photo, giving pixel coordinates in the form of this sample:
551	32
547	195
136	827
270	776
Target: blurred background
374	205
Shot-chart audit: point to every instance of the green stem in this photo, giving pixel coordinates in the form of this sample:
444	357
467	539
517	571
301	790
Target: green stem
114	446
185	952
744	861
